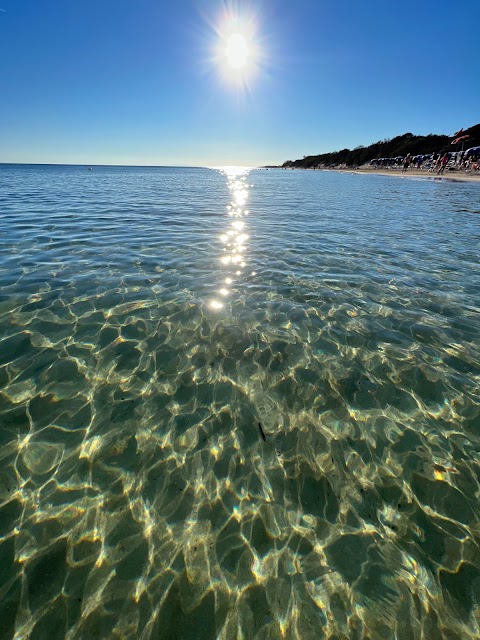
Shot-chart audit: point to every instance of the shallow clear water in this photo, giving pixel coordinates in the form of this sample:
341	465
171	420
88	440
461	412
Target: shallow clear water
238	405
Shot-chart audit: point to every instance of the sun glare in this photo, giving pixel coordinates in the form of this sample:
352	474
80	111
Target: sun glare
237	51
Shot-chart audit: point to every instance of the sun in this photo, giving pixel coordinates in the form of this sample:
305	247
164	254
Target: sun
237	51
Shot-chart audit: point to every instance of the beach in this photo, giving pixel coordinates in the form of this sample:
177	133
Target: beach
456	176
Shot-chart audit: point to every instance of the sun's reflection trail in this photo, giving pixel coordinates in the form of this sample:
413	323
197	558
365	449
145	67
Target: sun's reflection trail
235	237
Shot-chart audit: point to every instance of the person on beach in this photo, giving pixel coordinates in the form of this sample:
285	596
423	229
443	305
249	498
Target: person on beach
443	162
406	162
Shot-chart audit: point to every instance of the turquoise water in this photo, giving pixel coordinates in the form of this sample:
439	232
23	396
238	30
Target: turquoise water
238	405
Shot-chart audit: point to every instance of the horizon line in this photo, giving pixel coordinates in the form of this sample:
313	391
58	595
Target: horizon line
138	166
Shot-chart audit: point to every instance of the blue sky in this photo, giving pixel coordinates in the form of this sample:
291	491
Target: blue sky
137	82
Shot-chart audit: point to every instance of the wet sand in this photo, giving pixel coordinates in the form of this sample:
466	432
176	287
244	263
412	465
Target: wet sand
457	176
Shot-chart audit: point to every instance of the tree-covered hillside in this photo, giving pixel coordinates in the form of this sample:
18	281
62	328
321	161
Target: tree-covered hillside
398	146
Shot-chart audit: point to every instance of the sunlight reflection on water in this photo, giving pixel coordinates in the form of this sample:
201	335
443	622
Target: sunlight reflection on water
234	238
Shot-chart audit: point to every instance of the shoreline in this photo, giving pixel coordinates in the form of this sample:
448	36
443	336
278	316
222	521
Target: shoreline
450	176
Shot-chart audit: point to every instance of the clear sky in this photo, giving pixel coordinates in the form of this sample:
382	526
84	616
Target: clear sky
146	81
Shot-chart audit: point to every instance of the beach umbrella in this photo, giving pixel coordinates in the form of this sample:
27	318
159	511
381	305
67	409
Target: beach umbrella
458	133
472	151
460	139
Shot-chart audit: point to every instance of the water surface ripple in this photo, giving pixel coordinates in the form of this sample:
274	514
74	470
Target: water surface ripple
238	404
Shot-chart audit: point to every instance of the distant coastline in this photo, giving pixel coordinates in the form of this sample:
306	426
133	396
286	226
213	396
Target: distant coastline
387	150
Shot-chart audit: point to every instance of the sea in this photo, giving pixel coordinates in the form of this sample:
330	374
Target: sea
238	404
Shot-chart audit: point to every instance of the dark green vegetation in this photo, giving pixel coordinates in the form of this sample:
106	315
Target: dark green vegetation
398	146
